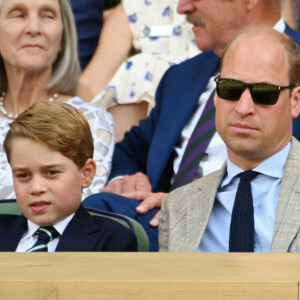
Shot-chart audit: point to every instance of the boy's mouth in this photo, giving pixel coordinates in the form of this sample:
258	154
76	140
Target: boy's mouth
39	206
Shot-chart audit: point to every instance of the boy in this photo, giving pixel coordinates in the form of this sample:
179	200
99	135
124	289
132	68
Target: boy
50	149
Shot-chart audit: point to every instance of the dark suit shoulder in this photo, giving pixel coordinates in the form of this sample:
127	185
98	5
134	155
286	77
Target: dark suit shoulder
7	221
295	35
204	59
117	236
12	228
87	232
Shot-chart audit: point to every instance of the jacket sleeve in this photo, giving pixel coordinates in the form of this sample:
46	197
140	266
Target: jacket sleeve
131	154
163	235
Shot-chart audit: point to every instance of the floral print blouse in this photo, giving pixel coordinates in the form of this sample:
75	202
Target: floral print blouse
162	37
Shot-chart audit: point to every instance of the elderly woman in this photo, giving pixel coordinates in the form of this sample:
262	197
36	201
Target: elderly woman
38	62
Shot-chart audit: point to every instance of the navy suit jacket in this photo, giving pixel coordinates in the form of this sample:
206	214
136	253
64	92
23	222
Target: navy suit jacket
84	233
148	148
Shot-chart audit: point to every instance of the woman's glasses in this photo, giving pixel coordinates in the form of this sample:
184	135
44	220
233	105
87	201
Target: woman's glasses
261	93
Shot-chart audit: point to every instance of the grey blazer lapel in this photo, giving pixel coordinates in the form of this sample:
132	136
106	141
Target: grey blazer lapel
287	221
199	207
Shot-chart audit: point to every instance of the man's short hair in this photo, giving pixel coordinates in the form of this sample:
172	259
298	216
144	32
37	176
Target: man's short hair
58	125
291	48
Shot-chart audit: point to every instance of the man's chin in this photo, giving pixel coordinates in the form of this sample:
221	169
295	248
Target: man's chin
202	45
201	38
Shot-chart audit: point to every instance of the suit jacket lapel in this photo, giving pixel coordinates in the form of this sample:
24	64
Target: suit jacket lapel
295	35
178	106
199	207
287	222
81	234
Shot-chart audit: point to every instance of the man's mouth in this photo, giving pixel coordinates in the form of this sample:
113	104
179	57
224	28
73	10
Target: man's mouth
243	128
195	20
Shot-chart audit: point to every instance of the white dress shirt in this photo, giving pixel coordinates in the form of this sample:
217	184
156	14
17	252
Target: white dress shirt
29	237
265	193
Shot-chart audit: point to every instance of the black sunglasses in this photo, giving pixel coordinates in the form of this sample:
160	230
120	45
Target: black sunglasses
261	93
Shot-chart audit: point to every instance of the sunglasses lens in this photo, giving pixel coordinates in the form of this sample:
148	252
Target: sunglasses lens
229	89
263	93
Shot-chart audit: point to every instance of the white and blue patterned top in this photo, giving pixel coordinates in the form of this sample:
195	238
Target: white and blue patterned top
161	38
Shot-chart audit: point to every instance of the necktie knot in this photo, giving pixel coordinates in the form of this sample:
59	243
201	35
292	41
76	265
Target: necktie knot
248	175
45	235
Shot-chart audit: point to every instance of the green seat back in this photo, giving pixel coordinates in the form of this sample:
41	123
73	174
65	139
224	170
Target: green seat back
129	223
10	207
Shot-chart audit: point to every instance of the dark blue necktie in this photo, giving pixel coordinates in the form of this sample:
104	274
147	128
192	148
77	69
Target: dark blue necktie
45	235
241	238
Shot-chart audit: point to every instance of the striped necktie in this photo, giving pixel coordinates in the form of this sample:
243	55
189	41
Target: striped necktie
45	235
241	236
197	145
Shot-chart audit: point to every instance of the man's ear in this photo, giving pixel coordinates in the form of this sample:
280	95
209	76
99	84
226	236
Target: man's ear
88	172
295	98
251	3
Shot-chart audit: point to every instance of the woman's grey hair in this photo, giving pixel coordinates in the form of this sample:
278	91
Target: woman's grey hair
66	70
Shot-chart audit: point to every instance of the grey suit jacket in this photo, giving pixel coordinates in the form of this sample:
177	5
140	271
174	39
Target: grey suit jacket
185	213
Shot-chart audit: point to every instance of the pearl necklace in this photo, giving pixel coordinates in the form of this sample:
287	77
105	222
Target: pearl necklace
11	116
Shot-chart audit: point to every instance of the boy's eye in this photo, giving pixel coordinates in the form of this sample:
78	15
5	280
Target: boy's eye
22	175
52	172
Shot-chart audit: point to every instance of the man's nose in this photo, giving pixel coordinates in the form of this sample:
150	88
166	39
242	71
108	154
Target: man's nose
185	6
245	105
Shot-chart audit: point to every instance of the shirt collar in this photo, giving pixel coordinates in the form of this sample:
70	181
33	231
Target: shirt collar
273	166
59	226
280	25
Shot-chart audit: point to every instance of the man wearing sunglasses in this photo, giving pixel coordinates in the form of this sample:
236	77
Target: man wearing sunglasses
150	157
252	203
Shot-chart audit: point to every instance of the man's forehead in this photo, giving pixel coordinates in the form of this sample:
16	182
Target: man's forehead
255	47
256	60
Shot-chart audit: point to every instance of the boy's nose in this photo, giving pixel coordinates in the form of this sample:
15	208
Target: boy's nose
37	186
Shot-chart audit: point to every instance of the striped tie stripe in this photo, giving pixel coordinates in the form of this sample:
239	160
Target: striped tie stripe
197	145
45	235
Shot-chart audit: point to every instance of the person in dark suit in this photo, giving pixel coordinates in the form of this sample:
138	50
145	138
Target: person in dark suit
146	162
50	150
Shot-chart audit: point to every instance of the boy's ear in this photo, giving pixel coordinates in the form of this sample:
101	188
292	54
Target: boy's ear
88	172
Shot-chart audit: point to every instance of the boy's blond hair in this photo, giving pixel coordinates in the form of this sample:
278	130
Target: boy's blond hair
60	126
